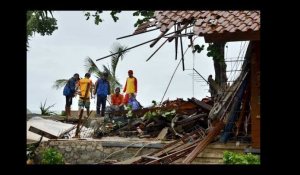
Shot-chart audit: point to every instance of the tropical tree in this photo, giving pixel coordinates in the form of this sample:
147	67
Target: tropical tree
40	22
146	16
215	50
60	83
93	69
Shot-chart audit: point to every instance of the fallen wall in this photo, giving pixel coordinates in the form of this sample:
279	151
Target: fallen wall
94	152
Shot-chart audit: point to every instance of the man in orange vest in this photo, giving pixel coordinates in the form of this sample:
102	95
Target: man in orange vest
130	86
117	100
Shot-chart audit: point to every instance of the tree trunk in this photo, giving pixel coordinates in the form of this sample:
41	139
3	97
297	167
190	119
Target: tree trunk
220	65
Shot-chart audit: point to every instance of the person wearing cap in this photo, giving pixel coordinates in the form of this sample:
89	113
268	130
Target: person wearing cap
135	105
130	86
70	91
103	90
117	100
85	93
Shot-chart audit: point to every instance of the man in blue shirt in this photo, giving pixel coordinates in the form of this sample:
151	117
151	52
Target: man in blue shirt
69	92
133	102
103	90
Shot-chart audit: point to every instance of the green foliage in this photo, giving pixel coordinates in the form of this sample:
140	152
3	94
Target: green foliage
150	115
129	113
113	15
52	156
147	15
168	115
198	49
63	113
59	83
154	102
236	158
46	110
40	22
30	151
214	51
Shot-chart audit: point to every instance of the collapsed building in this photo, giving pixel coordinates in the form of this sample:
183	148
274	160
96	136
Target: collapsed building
187	127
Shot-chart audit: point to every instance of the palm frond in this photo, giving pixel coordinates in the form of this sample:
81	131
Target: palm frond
117	48
59	83
91	67
107	70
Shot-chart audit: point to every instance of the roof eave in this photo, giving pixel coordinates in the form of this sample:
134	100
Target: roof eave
235	36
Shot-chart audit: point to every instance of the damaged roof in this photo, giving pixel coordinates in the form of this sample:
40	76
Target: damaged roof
213	25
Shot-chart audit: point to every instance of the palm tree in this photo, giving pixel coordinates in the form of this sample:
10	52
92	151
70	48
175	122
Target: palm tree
92	68
59	83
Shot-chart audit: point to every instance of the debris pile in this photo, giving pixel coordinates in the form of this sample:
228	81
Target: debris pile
170	120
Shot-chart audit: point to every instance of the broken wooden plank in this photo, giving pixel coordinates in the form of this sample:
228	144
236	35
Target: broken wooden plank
202	104
129	144
162	134
202	144
190	119
42	133
66	132
129	161
150	157
110	161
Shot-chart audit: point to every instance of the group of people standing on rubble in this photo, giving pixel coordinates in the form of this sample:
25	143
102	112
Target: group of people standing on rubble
86	90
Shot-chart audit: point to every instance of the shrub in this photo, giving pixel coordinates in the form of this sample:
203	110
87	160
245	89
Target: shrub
46	110
63	113
52	156
236	158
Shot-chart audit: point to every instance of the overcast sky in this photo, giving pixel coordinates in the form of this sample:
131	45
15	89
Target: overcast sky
62	54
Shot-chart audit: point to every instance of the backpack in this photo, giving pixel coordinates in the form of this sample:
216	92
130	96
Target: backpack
67	91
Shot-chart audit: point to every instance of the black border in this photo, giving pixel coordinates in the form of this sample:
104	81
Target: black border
17	136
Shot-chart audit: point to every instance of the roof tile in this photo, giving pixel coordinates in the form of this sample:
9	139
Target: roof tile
204	14
235	22
221	20
253	26
199	22
226	14
219	28
230	27
230	17
171	24
209	22
248	20
241	26
234	13
196	14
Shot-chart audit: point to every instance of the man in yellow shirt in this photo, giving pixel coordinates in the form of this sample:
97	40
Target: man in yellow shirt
85	93
130	86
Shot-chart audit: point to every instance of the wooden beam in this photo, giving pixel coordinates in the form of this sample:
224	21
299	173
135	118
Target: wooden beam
228	36
162	134
202	104
130	161
202	144
42	133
